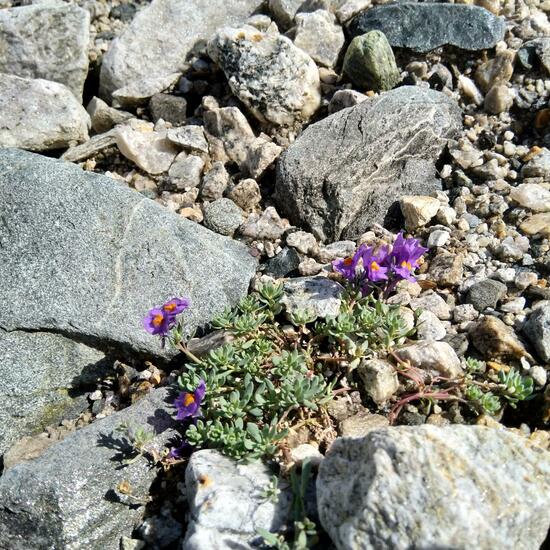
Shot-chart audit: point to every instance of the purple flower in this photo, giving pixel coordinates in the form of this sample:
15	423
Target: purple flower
404	257
181	451
188	403
374	264
347	266
176	305
158	322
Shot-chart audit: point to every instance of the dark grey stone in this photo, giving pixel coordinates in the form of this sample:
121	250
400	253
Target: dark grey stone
486	293
346	171
86	257
425	26
537	329
283	263
534	53
67	499
170	108
40	375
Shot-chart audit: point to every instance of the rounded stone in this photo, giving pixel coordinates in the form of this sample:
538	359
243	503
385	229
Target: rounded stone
223	216
369	62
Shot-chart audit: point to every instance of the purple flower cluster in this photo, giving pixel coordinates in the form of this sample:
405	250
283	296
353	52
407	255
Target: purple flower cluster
388	264
160	320
188	404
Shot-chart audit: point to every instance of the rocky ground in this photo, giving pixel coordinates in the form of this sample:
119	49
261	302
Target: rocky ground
202	149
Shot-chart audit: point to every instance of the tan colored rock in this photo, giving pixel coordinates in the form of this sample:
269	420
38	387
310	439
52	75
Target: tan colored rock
379	379
498	70
532	196
437	357
498	99
538	224
360	424
418	210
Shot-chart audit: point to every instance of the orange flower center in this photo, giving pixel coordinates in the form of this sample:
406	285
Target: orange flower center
348	261
374	266
407	265
157	319
188	399
170	306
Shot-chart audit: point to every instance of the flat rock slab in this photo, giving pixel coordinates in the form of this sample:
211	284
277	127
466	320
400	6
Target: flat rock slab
41	373
425	26
346	171
66	498
227	502
162	35
92	256
40	115
432	487
46	41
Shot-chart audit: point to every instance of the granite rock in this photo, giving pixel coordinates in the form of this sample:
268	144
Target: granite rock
94	256
40	115
166	31
277	81
435	487
67	497
44	41
346	171
537	329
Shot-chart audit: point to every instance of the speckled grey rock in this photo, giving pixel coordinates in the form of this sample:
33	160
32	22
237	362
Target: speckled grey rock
486	293
66	498
42	376
370	64
537	329
318	295
227	502
40	115
425	26
161	36
223	216
346	171
433	356
435	487
277	81
94	256
46	41
379	379
283	263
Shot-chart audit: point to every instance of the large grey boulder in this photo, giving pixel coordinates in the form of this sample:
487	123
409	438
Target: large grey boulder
41	373
40	115
91	257
228	502
347	170
46	41
433	487
425	26
276	80
67	497
161	37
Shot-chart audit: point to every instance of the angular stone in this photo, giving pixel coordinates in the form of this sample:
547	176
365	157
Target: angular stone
418	210
425	26
42	374
226	502
370	64
148	149
379	379
317	295
262	153
495	340
429	327
462	479
67	497
283	263
95	145
215	182
447	269
346	171
486	293
498	70
343	99
267	225
499	99
537	224
532	196
49	42
361	424
139	92
186	171
537	329
95	256
170	108
166	30
277	81
539	166
319	36
40	115
535	52
436	357
191	138
105	117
